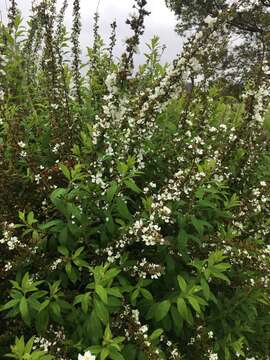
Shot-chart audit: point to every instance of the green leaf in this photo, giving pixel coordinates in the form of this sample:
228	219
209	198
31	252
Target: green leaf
63	235
25	281
102	293
95	349
102	312
104	354
94	327
130	183
30	218
22	216
221	276
20	344
122	168
71	272
114	354
227	353
198	224
81	263
182	308
177	319
134	296
15	284
111	274
25	311
78	252
146	294
57	194
35	235
49	224
111	191
33	303
46	357
205	288
182	283
63	250
119	339
10	304
39	294
65	171
114	292
108	333
37	355
162	310
156	334
194	303
238	346
55	309
29	344
216	257
182	241
85	302
130	352
222	267
42	321
122	210
15	294
44	305
233	202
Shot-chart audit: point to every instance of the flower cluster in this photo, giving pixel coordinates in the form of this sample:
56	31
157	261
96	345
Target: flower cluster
86	356
8	238
138	332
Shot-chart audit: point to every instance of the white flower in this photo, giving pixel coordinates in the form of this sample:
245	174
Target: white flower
56	148
21	144
23	153
8	266
55	263
86	356
167	210
213	356
199	35
110	82
223	126
209	20
144	328
194	63
37	2
38	177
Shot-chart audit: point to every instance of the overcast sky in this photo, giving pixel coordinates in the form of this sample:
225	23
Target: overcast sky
161	22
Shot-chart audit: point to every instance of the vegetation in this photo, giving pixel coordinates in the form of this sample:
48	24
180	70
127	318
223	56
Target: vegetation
246	40
135	211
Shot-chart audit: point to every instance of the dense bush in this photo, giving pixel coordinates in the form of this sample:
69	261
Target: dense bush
135	209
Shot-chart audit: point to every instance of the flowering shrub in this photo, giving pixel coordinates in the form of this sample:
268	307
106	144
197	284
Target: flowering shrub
134	208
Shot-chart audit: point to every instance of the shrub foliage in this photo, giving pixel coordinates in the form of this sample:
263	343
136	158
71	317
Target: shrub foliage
135	209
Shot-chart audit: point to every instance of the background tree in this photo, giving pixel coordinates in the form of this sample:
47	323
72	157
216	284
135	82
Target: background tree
249	30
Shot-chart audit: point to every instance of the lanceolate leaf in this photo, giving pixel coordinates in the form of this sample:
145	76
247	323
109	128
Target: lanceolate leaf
24	310
182	308
162	310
